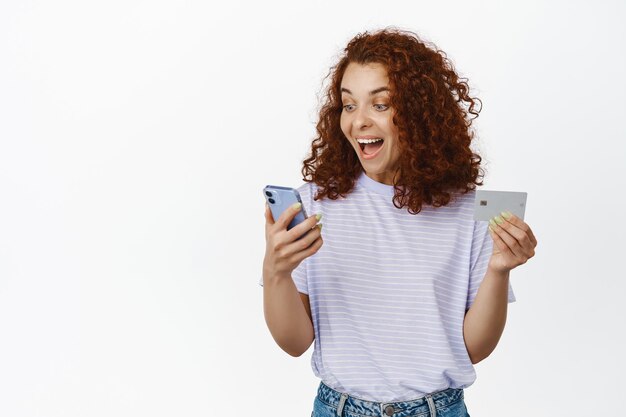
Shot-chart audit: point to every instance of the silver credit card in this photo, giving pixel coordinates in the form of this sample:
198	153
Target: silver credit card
491	203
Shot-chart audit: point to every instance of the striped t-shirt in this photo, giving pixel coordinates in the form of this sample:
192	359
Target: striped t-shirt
389	291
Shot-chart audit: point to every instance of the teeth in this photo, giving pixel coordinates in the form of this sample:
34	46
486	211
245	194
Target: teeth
368	140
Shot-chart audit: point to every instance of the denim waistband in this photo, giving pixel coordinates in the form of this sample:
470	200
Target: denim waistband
426	404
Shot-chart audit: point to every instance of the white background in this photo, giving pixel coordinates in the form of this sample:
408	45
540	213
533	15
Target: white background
135	139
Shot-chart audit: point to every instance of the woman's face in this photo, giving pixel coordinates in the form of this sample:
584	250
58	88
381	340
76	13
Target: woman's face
367	116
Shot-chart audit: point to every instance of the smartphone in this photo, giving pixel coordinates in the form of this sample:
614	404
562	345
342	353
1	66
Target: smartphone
280	199
491	203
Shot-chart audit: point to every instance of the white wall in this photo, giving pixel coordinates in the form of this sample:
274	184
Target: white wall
135	138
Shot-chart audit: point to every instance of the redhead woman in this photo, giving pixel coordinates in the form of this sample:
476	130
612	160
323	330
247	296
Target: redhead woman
402	292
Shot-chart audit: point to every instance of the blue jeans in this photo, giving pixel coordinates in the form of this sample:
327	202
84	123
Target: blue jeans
331	403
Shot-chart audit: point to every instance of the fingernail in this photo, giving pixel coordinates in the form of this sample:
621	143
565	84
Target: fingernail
320	226
499	219
492	224
297	206
319	216
507	214
491	228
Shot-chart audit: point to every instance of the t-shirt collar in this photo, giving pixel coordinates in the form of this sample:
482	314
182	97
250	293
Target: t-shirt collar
378	187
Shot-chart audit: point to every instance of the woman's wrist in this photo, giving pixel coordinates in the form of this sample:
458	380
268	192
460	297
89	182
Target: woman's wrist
500	272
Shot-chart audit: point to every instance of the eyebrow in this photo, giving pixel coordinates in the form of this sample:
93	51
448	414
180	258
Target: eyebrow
376	91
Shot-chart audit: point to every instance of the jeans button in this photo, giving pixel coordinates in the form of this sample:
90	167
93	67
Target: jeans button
389	410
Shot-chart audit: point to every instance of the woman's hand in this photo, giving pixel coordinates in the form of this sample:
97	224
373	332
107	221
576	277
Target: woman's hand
513	242
284	250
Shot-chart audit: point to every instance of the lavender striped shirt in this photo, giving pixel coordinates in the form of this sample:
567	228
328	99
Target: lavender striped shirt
389	290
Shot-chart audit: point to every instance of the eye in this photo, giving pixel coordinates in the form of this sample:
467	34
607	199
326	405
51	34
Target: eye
381	107
348	107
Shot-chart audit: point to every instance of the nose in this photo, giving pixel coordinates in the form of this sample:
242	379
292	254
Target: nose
361	119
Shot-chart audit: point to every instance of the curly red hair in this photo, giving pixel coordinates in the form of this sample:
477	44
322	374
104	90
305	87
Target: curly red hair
432	108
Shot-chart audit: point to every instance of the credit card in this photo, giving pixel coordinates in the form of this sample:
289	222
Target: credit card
491	203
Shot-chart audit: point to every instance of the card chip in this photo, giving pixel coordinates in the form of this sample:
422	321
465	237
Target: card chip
483	202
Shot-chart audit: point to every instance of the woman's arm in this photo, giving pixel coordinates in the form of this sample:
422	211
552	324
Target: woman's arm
286	316
485	320
514	244
287	312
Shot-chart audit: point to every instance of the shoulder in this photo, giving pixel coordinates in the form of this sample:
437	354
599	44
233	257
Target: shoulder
305	188
306	192
464	200
461	205
458	213
465	213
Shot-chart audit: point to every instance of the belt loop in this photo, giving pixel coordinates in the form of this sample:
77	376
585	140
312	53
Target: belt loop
342	401
431	406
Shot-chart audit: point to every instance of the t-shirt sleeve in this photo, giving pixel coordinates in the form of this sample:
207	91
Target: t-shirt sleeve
482	247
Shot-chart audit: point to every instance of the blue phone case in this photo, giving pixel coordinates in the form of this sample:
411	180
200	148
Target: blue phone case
280	199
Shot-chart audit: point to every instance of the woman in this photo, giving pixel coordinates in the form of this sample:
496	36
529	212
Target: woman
405	291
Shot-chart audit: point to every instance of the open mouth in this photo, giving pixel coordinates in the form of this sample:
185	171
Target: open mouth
371	147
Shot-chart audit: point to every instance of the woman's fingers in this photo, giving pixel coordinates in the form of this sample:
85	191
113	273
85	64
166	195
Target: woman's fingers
517	239
281	224
303	246
509	240
511	231
302	228
311	250
300	245
501	244
285	249
269	220
288	215
519	224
